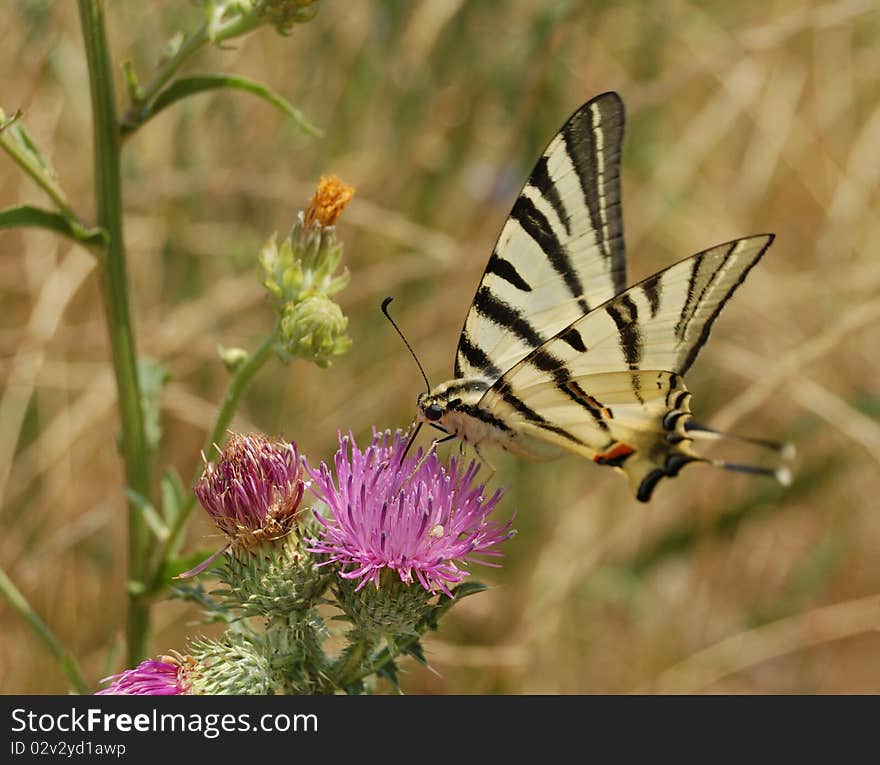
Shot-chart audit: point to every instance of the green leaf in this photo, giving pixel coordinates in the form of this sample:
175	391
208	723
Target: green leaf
389	672
355	688
466	589
190	86
153	377
152	518
445	603
5	121
36	217
417	652
173	496
195	593
27	143
21	136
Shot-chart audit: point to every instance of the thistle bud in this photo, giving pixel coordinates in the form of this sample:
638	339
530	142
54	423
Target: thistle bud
232	358
314	329
282	581
236	664
301	274
392	609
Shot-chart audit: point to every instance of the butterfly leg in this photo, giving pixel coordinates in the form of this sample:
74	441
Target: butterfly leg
492	468
431	449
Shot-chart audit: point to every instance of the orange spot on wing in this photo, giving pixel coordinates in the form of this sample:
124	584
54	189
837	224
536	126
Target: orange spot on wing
615	455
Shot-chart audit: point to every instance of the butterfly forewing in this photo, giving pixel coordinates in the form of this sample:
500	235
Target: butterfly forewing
561	251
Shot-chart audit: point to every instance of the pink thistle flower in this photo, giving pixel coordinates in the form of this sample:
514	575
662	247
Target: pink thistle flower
167	676
386	514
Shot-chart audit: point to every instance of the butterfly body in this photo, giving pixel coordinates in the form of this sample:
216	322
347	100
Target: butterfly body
457	410
556	355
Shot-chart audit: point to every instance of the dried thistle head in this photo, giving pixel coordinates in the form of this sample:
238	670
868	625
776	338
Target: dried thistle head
253	492
328	202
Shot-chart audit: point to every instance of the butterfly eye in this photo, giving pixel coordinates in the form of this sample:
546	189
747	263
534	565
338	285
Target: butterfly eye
433	412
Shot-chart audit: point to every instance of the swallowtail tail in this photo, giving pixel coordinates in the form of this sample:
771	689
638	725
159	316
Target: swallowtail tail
557	354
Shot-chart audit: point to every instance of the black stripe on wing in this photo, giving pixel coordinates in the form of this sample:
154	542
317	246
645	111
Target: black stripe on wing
507	271
625	315
593	138
651	290
505	315
510	398
536	225
695	348
542	181
476	358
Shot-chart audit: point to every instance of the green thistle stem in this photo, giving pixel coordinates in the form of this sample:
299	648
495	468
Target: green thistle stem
139	111
352	659
169	68
240	381
385	656
66	662
108	191
237	386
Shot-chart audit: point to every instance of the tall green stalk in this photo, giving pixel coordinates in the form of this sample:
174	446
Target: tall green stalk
108	192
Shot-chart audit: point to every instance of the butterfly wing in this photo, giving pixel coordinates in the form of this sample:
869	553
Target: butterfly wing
609	385
560	252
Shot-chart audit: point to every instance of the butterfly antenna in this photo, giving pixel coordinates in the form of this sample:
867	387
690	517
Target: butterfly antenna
786	450
385	304
410	440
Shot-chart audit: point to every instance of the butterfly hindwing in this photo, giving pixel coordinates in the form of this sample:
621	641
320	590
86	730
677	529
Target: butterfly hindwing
561	251
609	385
660	323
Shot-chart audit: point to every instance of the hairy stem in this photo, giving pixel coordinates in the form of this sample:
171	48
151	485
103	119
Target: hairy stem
108	193
66	662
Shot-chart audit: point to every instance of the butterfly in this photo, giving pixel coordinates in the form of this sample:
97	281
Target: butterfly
557	355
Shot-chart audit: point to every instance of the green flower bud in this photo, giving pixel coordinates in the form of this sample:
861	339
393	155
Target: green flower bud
275	581
393	609
236	664
301	273
232	358
314	329
306	262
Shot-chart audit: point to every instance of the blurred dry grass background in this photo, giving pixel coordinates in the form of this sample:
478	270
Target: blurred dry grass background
742	117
